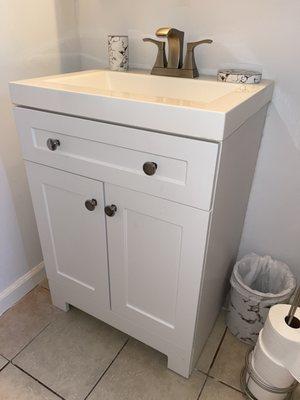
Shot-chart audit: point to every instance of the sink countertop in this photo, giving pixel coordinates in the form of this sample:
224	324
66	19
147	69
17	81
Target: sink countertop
200	108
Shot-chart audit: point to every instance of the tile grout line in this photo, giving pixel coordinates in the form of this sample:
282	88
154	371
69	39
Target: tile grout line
30	341
213	361
225	384
211	364
215	355
201	391
106	369
35	379
7	359
207	376
1	369
217	352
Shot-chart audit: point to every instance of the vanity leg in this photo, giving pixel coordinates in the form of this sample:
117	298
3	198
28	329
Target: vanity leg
179	365
57	298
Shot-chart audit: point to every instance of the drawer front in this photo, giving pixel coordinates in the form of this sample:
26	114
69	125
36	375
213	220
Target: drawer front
183	170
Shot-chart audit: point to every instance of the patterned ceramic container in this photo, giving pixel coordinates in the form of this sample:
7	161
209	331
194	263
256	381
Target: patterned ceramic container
257	284
239	76
118	52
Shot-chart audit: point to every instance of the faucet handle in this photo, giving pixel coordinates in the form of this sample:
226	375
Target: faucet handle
161	59
189	61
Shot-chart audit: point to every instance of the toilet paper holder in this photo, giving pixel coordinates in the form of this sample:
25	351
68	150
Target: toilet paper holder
290	319
249	373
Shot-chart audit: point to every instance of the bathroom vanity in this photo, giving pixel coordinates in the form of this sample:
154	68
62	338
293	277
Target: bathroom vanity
140	186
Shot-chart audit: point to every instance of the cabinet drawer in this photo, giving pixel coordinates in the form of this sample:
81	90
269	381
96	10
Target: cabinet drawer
185	167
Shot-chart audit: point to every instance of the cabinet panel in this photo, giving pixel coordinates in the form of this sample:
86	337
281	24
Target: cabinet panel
152	260
73	238
156	251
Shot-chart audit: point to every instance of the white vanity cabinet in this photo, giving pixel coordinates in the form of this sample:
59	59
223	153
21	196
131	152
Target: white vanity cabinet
141	227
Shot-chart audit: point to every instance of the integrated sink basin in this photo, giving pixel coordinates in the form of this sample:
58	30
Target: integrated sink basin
150	88
202	108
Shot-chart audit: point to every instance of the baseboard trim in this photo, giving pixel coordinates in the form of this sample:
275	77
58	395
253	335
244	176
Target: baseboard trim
21	286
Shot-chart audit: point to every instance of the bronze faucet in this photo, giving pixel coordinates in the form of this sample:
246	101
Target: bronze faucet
173	66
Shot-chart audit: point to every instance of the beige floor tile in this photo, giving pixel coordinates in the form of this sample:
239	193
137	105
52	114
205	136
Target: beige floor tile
20	324
215	390
140	373
44	284
229	361
212	344
15	385
71	354
3	362
296	395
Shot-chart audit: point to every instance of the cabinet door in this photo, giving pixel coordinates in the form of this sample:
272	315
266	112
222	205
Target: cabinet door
156	251
73	238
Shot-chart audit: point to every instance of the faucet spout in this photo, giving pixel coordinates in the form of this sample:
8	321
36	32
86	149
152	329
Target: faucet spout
174	66
175	44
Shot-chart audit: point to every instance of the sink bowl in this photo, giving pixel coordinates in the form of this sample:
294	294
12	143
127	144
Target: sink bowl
202	108
159	89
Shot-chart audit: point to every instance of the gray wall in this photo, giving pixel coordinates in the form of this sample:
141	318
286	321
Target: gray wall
52	36
36	38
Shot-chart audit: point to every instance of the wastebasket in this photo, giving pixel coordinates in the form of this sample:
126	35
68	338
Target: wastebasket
257	283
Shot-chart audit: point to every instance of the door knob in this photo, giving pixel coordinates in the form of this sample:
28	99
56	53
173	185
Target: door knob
110	210
52	144
91	204
150	168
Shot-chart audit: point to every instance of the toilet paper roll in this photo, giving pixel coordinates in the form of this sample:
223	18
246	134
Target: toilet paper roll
281	341
258	392
269	370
